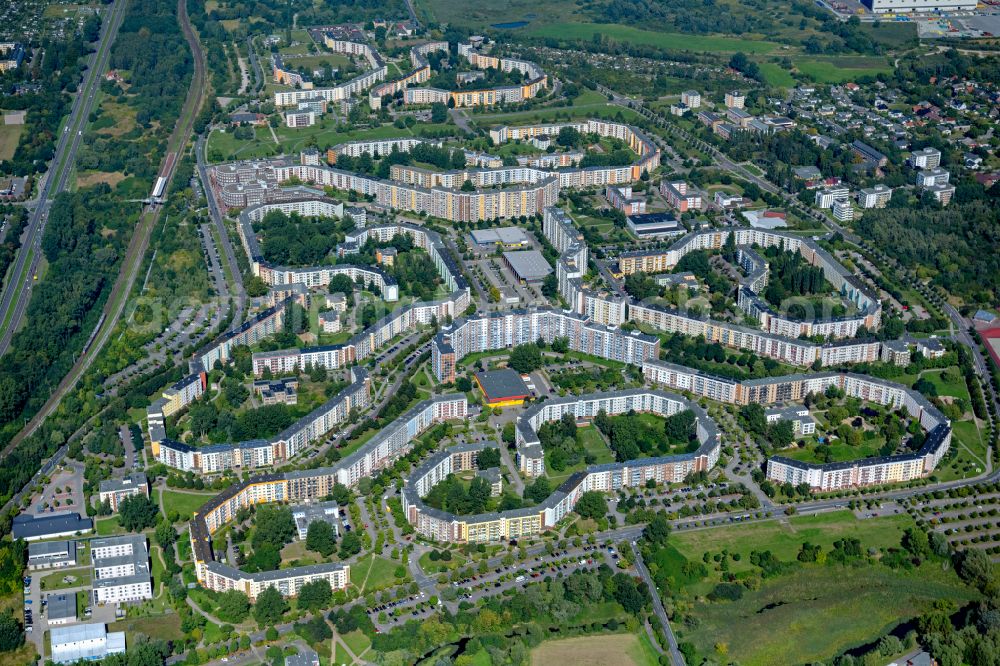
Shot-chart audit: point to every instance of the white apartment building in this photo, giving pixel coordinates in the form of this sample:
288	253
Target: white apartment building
826	197
121	569
874	197
735	99
934	176
691	99
925	158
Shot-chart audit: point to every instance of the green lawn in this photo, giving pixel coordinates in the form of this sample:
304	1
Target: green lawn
58	580
593	443
841	69
838	452
108	526
784	540
664	40
820	610
776	75
432	567
166	627
183	503
955	387
357	641
342	656
10	135
373	572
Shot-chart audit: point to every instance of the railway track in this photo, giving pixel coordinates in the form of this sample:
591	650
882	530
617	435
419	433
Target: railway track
140	239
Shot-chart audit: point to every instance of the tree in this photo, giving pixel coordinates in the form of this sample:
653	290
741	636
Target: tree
11	636
976	568
592	505
539	490
439	112
234	606
525	358
137	512
166	535
657	530
321	538
270	607
315	595
487	458
349	545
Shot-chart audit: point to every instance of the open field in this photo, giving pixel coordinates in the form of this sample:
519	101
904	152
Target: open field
373	573
184	503
841	69
821	609
594	651
663	40
167	627
484	14
784	540
9	136
89	178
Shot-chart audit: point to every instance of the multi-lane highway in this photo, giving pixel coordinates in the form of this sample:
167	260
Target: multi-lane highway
17	291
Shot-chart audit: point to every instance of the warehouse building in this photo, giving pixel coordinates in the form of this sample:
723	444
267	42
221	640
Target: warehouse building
502	388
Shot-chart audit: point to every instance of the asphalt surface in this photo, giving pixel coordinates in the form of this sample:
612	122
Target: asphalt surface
56	179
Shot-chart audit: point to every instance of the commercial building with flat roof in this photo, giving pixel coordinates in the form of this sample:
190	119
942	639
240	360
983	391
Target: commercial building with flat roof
508	237
90	642
51	555
50	525
502	388
529	266
61	609
654	225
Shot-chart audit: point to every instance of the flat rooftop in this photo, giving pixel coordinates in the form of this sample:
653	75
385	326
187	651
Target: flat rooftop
529	265
505	384
504	235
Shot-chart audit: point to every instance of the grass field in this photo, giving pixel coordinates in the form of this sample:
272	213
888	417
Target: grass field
594	651
357	641
108	526
838	452
841	69
776	75
821	610
55	581
183	503
784	540
483	14
9	136
373	573
664	40
167	627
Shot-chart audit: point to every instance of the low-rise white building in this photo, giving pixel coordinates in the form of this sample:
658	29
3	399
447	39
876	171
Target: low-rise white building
88	642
